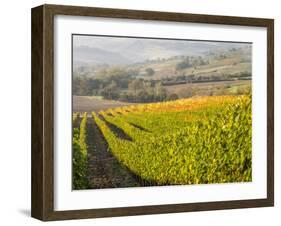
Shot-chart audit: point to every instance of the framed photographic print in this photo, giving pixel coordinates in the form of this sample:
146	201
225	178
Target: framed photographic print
141	112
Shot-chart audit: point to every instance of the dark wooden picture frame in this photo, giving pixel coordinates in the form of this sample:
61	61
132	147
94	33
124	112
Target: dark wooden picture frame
42	203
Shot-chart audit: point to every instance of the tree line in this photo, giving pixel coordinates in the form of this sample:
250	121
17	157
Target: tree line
130	90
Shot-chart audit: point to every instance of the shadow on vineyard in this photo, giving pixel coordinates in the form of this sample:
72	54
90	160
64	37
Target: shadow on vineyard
104	170
118	132
140	127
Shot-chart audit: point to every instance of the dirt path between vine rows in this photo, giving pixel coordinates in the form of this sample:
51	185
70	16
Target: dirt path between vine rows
104	170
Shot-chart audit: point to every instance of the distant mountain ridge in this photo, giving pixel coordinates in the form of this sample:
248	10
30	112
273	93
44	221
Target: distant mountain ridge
128	51
90	55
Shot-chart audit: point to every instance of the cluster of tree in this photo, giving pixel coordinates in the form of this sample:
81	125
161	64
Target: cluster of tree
191	78
124	88
149	71
188	62
159	60
105	79
138	91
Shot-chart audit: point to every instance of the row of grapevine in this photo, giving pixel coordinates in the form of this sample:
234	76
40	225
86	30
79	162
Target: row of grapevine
75	117
80	155
208	141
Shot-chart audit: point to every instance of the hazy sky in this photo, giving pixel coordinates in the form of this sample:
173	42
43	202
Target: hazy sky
109	41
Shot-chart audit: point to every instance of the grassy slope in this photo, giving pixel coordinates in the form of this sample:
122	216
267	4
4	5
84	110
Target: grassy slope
232	64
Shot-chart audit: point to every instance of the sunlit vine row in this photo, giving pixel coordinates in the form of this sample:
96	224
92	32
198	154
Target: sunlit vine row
79	145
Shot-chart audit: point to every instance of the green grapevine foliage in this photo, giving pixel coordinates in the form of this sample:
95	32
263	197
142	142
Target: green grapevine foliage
193	141
79	158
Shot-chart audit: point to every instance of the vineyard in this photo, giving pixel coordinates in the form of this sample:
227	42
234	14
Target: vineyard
198	140
79	146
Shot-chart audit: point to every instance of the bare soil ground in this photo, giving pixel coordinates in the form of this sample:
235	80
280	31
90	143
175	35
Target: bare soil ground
89	104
